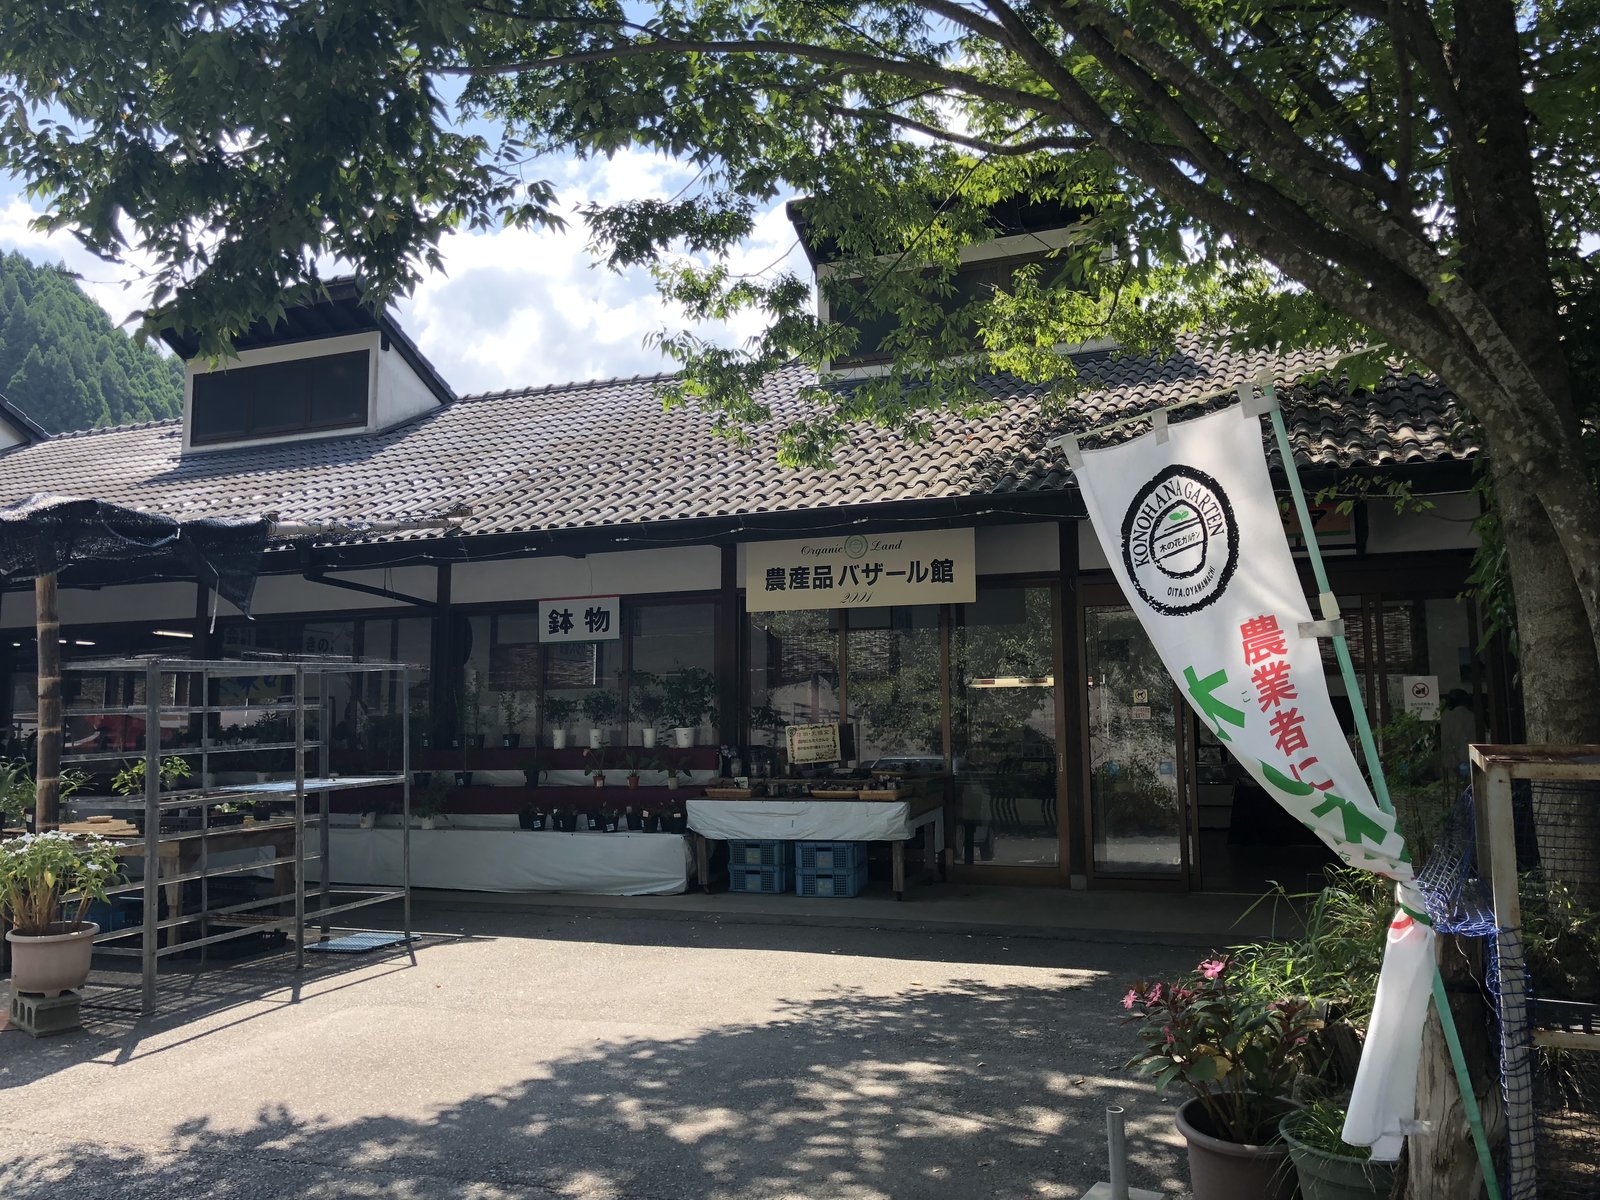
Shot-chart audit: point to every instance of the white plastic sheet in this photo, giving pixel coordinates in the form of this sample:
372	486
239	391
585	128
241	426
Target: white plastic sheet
483	860
1385	1093
802	820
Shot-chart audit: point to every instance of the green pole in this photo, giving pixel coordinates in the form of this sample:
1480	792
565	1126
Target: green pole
1380	786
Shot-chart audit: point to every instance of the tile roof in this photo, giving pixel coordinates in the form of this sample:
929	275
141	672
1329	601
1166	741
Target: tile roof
605	453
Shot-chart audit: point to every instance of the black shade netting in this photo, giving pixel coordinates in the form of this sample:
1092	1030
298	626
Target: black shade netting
45	533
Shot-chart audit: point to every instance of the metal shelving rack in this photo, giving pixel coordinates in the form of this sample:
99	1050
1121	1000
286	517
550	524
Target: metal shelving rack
311	676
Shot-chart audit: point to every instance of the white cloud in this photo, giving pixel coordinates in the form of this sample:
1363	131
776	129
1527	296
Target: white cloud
513	308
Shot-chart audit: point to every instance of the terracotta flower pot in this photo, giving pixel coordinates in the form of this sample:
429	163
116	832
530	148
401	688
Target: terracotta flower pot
1224	1170
54	962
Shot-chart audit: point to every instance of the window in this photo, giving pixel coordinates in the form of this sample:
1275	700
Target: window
671	648
307	394
895	685
794	673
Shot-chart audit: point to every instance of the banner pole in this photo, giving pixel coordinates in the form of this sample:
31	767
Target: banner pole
1341	648
1380	786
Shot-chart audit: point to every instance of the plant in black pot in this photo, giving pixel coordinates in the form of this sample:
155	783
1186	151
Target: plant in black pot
1238	1055
514	710
1330	1168
531	816
533	769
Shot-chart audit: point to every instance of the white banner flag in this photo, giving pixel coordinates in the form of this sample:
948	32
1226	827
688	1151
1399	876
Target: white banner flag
1191	528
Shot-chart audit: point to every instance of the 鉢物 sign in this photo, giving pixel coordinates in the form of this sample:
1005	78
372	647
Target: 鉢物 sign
580	619
861	570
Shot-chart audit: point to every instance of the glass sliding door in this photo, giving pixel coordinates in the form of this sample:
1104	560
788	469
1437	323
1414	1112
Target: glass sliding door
1003	726
1135	785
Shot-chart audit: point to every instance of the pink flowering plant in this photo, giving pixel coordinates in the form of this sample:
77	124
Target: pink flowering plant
1237	1053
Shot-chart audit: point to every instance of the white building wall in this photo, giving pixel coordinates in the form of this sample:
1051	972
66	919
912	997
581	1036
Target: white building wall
628	572
154	602
401	392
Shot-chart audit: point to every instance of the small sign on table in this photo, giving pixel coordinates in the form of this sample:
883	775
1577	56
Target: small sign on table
813	743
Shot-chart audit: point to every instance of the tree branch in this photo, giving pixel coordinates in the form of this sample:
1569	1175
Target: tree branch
904	68
1005	149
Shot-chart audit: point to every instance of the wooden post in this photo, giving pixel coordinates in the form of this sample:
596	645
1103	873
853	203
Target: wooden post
1442	1164
47	627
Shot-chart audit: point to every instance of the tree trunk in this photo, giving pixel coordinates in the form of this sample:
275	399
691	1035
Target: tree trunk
47	626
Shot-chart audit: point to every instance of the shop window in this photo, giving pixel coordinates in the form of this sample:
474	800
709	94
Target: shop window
672	656
306	395
794	674
588	677
895	686
1003	721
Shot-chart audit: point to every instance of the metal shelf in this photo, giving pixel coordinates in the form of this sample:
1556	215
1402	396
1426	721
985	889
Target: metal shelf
192	849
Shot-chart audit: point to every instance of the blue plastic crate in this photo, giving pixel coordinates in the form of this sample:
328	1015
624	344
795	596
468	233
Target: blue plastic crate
770	880
829	857
832	883
769	853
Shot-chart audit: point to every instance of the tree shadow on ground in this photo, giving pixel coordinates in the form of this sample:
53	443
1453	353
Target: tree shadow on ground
952	1092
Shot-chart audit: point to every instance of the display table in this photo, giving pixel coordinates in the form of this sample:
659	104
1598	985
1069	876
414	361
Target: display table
491	860
811	820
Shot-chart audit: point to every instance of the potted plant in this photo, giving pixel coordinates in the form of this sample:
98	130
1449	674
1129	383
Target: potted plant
690	695
1238	1056
594	764
224	815
428	803
16	792
533	770
671	763
531	816
514	708
600	709
647	705
636	761
40	876
558	711
1329	1167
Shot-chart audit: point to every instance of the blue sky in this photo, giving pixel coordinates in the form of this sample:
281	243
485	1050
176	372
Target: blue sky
514	307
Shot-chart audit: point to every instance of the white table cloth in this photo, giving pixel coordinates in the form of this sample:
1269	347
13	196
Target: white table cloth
803	820
486	860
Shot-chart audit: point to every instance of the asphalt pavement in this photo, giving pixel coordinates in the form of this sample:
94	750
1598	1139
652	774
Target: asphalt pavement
599	1055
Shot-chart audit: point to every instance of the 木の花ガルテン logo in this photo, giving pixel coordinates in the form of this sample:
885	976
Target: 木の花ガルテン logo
1180	542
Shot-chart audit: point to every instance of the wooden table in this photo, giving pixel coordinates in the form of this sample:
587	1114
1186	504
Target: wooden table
178	854
806	818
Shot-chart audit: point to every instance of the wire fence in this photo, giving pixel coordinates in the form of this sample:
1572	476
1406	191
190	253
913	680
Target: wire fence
1536	904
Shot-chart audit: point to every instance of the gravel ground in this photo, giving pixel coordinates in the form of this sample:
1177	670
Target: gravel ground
605	1057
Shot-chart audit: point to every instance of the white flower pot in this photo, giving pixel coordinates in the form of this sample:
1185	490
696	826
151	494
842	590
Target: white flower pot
647	737
52	963
369	820
683	735
426	822
597	738
558	739
672	783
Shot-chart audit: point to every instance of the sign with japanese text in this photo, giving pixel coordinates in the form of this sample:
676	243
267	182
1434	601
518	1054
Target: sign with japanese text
813	743
1192	530
861	570
1421	695
580	619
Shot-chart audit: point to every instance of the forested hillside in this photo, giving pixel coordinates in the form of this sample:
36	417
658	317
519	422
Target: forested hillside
66	365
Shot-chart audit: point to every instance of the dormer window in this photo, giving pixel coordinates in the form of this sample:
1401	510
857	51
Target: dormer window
307	395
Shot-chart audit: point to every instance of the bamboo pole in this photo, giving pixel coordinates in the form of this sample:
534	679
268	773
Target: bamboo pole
47	627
